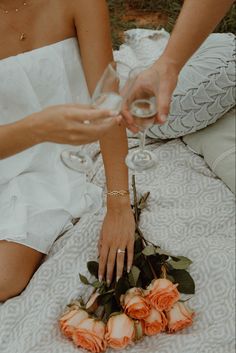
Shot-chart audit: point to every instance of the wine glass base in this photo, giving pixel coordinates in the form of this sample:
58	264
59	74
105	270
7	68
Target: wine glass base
140	161
77	160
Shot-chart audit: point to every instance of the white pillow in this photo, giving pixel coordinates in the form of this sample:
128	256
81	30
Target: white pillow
216	144
206	86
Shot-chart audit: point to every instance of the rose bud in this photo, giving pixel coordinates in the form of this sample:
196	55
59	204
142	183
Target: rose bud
70	320
120	331
139	330
90	335
155	323
162	294
179	317
135	305
92	304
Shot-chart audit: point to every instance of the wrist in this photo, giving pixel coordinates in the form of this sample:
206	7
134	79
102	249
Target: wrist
168	64
118	203
33	126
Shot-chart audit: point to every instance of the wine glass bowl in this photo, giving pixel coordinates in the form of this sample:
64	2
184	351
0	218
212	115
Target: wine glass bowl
144	112
106	94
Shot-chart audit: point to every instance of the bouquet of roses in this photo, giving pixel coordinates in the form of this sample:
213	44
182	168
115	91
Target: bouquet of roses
144	302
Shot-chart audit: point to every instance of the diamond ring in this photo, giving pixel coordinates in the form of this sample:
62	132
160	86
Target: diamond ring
119	251
86	122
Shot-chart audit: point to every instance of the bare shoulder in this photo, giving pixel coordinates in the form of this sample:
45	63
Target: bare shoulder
83	5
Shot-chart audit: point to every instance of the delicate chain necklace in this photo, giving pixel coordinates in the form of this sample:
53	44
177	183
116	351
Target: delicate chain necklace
22	35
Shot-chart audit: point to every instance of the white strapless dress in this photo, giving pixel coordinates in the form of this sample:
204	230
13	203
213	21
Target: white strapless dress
39	196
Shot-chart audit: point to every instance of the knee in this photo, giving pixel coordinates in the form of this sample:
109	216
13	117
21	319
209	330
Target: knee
11	287
17	265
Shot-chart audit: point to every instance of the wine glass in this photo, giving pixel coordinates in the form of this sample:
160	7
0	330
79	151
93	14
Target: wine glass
142	105
105	96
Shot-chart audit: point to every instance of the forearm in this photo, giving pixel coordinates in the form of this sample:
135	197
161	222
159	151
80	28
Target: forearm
114	147
93	30
15	138
196	21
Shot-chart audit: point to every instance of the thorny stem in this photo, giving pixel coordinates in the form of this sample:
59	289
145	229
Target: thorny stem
135	199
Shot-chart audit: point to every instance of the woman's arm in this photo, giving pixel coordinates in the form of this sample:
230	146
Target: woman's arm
92	23
196	21
15	138
60	124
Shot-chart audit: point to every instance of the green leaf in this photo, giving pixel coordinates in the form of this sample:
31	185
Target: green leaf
170	278
149	250
134	276
138	245
93	268
185	281
121	288
137	256
84	280
146	274
182	264
159	251
108	308
97	284
105	298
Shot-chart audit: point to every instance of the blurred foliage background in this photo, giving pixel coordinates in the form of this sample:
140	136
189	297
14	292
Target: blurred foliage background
126	14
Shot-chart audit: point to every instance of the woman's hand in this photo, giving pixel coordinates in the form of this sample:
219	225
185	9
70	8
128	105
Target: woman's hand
161	80
71	124
117	233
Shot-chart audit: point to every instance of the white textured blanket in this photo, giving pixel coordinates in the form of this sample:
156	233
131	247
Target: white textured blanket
190	212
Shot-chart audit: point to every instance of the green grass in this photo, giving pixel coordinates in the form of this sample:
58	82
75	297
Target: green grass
171	8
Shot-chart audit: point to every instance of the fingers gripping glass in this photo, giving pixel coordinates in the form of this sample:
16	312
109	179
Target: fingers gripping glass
106	96
142	106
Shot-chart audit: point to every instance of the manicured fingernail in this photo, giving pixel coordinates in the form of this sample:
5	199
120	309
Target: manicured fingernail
163	118
128	270
108	283
114	113
100	279
117	279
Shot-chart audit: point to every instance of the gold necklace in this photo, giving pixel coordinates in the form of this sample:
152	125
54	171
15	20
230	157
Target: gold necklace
17	9
22	35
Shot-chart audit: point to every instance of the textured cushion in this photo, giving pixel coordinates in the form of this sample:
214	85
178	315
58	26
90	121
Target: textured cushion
206	87
216	143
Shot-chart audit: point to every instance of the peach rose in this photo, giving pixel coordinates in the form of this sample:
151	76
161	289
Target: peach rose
155	323
120	331
162	294
90	335
179	317
70	320
135	305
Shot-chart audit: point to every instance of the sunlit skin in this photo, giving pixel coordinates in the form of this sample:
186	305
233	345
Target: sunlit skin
46	22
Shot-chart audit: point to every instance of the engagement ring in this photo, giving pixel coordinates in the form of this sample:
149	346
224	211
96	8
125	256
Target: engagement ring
119	251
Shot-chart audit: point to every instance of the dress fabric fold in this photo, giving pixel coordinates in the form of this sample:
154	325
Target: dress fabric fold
39	196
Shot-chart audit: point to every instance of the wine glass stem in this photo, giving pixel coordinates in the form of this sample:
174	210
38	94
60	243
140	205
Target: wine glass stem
142	140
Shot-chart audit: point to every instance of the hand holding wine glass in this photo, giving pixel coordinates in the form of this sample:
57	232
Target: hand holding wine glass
141	105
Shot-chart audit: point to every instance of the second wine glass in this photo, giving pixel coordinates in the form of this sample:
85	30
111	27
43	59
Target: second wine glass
142	106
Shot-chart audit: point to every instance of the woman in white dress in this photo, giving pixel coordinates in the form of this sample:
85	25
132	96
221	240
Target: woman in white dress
51	53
